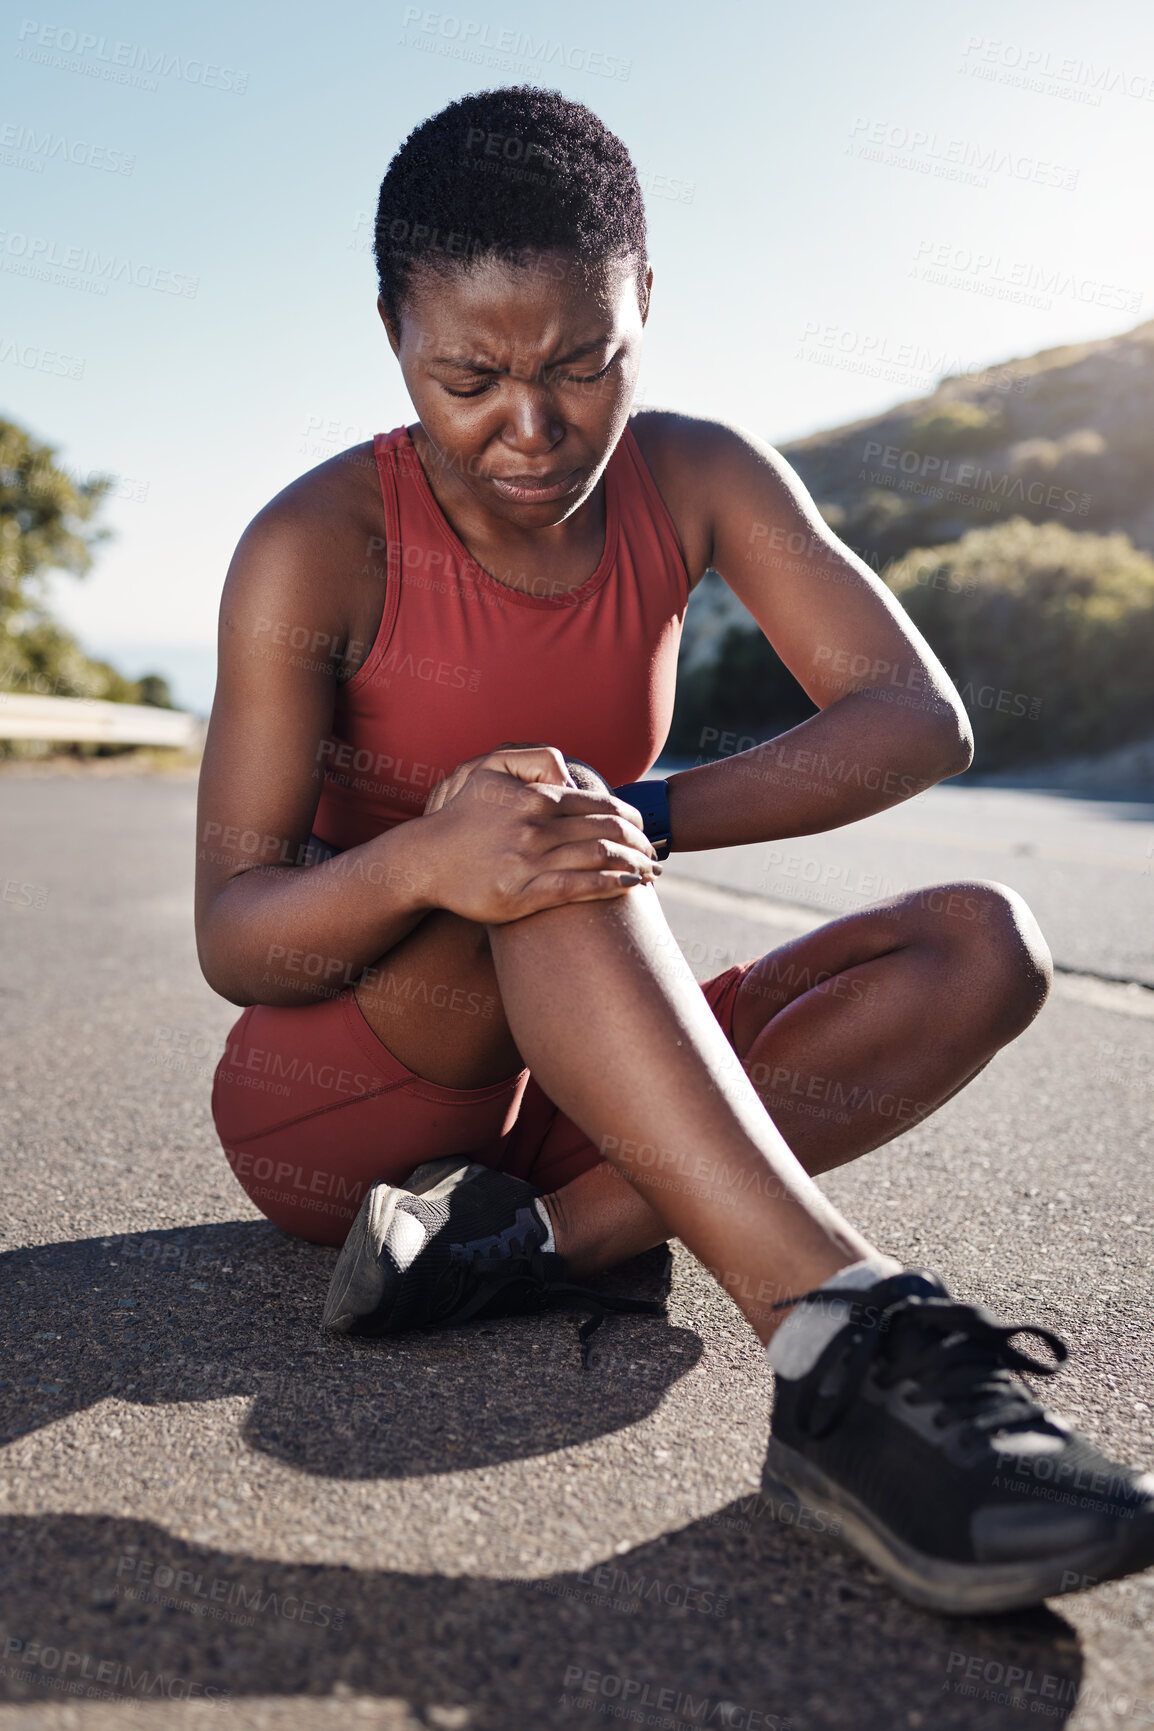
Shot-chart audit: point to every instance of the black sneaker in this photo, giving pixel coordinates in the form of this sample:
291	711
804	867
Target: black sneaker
458	1243
911	1432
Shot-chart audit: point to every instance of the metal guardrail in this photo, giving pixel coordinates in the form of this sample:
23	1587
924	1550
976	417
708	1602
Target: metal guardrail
91	721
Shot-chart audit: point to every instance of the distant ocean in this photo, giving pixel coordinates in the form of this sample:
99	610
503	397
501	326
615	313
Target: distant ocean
190	668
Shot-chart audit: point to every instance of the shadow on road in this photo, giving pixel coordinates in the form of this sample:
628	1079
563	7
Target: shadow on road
123	1610
738	1620
205	1312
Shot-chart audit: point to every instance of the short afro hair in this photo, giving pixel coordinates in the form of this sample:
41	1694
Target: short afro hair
506	174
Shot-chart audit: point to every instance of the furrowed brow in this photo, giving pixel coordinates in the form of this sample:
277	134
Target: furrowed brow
463	366
585	349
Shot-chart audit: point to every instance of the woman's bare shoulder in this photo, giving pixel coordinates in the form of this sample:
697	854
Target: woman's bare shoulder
341	492
675	447
316	551
682	442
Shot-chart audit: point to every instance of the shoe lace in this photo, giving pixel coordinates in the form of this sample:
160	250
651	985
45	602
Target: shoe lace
957	1356
468	1284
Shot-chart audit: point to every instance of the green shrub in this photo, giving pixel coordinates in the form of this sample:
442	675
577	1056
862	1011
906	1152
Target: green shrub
1047	633
956	426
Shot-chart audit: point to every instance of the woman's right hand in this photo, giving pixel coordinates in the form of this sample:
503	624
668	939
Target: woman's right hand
510	834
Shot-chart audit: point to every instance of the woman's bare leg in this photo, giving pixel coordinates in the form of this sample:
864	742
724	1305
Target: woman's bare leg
599	1220
608	1017
850	1035
597	999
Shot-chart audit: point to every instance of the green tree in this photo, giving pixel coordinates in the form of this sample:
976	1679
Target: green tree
48	523
152	689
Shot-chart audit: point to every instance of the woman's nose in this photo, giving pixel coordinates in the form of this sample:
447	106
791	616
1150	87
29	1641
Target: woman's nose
533	425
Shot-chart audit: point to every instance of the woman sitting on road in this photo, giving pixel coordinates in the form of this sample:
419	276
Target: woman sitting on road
467	1020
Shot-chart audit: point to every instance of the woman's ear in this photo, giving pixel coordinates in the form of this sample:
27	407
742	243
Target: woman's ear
392	329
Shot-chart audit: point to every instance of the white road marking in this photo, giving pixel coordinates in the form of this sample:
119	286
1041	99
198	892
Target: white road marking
1126	998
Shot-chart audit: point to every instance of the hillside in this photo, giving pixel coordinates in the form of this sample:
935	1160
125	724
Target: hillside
1063	440
1063	436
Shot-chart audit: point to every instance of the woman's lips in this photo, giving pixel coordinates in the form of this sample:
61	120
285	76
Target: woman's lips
525	491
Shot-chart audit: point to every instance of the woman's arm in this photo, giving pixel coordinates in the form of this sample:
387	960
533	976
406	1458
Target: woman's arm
268	929
890	724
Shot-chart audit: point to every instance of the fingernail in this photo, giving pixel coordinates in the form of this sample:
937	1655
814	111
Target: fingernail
628	878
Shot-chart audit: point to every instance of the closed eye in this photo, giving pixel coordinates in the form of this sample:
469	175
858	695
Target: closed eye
588	379
562	379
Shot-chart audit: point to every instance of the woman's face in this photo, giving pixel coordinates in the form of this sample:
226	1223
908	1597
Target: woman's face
522	377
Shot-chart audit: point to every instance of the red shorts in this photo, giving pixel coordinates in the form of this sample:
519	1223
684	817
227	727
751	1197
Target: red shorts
311	1109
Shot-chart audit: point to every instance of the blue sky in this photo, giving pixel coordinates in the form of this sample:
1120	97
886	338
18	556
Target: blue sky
844	203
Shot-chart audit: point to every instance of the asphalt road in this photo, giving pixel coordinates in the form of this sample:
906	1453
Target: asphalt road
1085	866
200	1493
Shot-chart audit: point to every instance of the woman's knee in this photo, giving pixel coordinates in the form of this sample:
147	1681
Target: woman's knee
991	930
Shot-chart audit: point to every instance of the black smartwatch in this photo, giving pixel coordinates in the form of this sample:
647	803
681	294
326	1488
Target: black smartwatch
652	800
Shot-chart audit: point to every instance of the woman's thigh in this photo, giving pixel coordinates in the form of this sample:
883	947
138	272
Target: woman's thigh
969	949
434	1001
311	1109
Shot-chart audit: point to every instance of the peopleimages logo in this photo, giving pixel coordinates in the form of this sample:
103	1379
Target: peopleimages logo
472	39
79	267
74	50
200	1591
594	1690
1049	1694
1030	66
77	1673
24	147
925	151
41	360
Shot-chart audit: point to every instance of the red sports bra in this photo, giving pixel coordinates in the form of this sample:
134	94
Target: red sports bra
462	662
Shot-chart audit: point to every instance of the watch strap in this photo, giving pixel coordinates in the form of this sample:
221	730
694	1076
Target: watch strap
651	799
